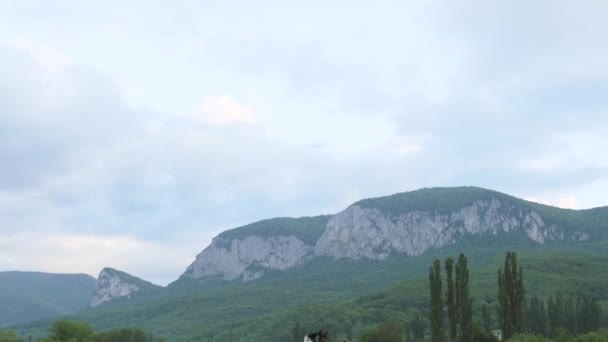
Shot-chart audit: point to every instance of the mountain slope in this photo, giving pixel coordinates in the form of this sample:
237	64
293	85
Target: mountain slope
263	271
343	293
251	251
114	285
409	223
545	272
27	296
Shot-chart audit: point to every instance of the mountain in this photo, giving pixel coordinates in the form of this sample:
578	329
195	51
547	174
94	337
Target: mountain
27	296
114	285
251	251
409	223
261	278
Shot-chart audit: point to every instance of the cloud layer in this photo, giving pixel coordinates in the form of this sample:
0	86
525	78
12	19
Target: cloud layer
144	132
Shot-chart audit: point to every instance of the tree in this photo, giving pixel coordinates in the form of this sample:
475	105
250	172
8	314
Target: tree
464	304
417	328
390	332
552	316
479	335
436	312
66	330
449	299
511	297
8	336
369	335
536	317
486	318
122	335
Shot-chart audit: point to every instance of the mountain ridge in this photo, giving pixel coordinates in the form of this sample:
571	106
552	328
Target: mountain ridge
406	222
278	277
26	295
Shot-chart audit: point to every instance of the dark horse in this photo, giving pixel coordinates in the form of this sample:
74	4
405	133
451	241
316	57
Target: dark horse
316	337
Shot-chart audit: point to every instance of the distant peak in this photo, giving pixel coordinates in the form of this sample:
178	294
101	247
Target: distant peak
113	284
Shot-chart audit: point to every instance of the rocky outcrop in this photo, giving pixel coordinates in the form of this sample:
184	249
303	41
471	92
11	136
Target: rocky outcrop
110	286
370	233
248	258
367	232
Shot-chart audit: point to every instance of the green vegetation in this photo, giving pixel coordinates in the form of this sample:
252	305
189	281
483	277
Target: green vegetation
385	332
486	318
436	308
594	336
450	299
459	303
348	295
593	222
8	336
464	304
142	284
26	296
65	330
576	314
307	229
355	297
511	297
440	200
146	289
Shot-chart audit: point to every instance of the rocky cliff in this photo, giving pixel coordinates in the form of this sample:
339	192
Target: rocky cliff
370	233
249	258
407	223
113	284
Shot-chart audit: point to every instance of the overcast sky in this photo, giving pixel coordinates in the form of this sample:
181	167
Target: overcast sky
132	132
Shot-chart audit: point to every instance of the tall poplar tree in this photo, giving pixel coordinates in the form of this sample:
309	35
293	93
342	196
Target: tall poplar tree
511	297
450	300
464	310
436	312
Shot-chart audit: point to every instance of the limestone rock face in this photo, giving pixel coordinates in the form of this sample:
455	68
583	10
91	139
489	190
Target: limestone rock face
367	232
110	285
370	233
249	258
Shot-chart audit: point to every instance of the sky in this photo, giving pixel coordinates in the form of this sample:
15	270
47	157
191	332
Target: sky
133	132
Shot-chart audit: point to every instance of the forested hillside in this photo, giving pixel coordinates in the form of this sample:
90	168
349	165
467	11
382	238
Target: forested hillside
26	296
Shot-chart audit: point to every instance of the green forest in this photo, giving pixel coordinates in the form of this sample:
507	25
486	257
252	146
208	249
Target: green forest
362	299
563	318
64	330
563	298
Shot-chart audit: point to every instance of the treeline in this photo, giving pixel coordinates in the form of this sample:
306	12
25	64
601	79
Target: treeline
564	336
575	314
65	330
518	318
457	302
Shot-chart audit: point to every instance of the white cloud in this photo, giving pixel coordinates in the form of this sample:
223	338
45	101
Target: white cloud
560	201
157	261
308	119
225	110
52	60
